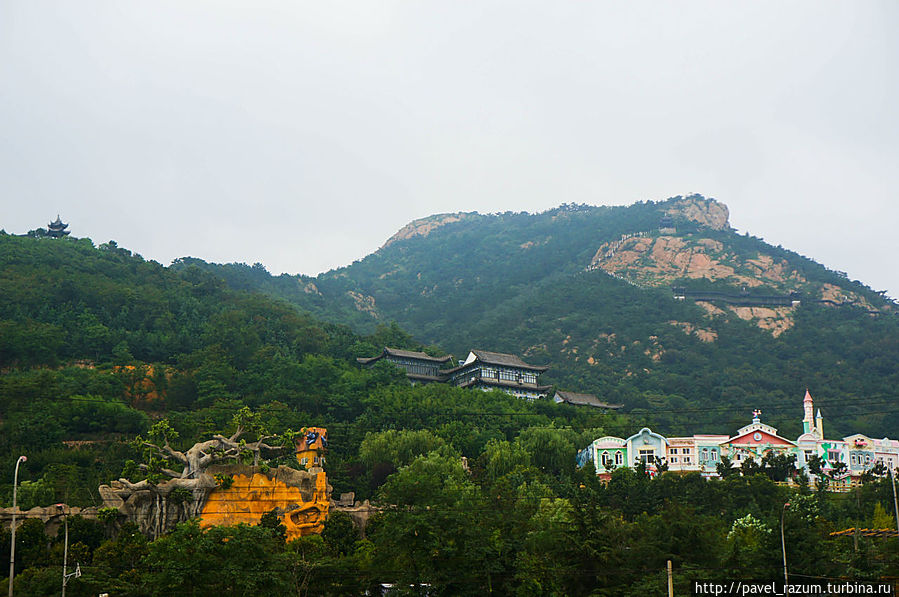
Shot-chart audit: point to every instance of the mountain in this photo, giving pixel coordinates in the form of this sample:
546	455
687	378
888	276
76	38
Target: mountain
588	291
97	343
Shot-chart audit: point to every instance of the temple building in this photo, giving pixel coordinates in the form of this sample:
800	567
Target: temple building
57	229
482	369
419	367
498	371
583	400
666	225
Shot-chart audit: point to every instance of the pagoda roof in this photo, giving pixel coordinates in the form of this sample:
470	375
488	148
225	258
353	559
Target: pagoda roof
57	224
405	354
585	399
501	359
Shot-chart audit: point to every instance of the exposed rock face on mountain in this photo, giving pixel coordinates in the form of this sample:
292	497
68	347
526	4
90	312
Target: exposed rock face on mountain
707	212
662	260
587	291
424	226
649	260
364	303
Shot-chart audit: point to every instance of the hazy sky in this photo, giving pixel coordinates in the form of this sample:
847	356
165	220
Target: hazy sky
303	134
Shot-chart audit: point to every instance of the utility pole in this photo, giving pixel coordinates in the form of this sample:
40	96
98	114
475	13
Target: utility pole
783	547
670	581
895	502
65	553
12	547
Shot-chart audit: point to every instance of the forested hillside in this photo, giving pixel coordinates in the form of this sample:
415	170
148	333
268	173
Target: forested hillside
98	345
587	291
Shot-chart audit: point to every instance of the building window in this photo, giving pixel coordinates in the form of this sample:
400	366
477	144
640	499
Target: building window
303	461
619	458
673	450
674	460
714	455
507	375
686	460
605	459
647	455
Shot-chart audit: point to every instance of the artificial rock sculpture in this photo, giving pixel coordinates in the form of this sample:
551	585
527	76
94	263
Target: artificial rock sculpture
228	494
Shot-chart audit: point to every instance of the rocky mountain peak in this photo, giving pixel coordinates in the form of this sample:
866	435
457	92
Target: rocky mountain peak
708	212
424	226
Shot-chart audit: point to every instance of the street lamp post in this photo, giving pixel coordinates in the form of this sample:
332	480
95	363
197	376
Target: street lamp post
783	547
12	547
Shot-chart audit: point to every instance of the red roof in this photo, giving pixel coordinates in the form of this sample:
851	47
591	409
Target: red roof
748	438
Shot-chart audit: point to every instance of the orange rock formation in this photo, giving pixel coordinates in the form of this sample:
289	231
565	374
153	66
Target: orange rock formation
301	498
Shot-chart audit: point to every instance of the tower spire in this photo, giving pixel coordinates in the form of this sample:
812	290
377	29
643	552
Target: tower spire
808	420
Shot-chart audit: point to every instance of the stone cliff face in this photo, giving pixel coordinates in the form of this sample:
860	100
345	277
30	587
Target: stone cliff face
424	226
664	260
707	212
649	260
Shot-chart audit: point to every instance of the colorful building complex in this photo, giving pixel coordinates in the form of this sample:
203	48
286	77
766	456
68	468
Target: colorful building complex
843	461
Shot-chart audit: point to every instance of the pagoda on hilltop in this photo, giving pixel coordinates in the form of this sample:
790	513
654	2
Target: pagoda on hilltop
57	229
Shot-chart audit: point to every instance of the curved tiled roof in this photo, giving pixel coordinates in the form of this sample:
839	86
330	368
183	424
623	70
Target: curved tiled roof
586	399
507	360
407	354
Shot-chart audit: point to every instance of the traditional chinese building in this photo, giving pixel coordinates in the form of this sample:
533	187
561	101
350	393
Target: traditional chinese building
481	370
57	229
583	400
666	225
498	371
420	367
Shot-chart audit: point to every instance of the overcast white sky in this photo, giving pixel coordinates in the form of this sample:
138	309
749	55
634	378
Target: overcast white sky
303	134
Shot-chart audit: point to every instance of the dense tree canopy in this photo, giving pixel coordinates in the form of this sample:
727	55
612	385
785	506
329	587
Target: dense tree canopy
477	491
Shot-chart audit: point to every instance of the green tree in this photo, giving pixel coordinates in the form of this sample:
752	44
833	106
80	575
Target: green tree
239	560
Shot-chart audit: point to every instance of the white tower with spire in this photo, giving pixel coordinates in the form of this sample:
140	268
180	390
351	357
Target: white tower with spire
808	421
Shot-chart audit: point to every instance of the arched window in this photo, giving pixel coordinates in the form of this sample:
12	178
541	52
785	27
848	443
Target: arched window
606	459
619	458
